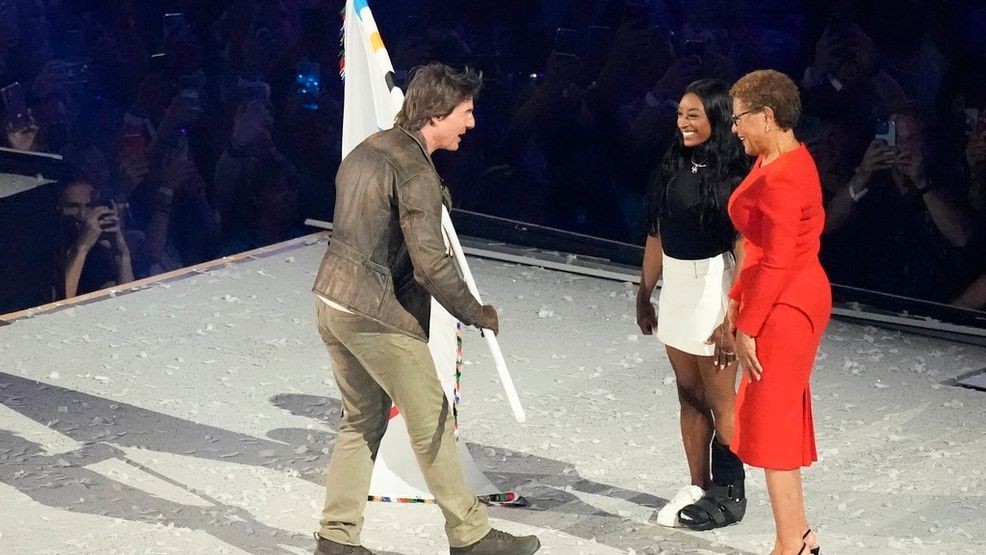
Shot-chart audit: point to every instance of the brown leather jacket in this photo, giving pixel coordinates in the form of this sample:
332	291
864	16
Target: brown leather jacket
387	257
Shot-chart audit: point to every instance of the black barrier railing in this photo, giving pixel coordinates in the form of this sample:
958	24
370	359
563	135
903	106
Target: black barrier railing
547	238
907	306
862	304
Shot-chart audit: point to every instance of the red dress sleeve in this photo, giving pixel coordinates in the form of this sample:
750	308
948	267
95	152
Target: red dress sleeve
779	204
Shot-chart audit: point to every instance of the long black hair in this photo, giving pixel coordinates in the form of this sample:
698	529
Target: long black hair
722	155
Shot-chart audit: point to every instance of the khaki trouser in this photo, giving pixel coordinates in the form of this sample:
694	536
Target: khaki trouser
376	367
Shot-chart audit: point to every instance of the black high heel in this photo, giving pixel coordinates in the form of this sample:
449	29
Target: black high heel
814	550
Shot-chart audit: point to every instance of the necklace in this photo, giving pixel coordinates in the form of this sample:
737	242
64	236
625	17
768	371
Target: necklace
696	165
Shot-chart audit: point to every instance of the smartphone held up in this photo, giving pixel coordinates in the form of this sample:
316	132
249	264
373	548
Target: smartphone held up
18	116
886	131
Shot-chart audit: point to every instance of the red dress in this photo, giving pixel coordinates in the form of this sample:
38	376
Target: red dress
785	303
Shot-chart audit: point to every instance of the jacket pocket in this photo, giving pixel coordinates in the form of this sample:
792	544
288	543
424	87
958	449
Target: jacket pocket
351	278
374	286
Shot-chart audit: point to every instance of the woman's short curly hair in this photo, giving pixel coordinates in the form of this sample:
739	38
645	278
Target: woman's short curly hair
768	88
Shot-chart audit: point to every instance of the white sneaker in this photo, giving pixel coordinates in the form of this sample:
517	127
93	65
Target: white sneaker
668	515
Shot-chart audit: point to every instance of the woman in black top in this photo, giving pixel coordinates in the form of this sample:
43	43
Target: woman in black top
691	246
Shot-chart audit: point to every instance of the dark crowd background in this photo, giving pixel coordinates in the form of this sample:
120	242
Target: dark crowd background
197	129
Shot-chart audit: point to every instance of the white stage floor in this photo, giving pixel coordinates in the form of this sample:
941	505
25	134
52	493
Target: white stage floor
196	415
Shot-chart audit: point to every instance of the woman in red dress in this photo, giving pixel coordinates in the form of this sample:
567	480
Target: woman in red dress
781	302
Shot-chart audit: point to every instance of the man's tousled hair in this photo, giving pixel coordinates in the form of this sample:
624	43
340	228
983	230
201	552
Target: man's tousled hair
434	91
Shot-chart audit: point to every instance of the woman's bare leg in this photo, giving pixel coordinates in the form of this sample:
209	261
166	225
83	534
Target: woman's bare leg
788	505
696	417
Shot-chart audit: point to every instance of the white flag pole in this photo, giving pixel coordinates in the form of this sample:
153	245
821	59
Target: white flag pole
491	342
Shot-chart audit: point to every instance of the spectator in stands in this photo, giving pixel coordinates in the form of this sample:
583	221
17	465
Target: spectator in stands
181	227
270	210
963	109
845	78
95	254
251	139
908	50
170	202
895	225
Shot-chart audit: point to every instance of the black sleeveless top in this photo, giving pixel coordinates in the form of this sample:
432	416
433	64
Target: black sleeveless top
682	234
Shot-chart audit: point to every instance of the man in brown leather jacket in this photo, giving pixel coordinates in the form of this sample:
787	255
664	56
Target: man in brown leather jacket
385	262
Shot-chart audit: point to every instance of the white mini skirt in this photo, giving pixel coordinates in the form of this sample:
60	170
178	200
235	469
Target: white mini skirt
693	301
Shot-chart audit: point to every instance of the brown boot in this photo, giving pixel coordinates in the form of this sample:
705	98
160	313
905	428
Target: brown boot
329	547
500	543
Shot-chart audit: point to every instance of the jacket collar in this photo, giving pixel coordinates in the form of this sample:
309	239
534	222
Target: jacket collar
420	140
